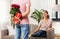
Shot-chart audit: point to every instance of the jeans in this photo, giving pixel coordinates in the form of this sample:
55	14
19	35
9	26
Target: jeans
22	31
40	33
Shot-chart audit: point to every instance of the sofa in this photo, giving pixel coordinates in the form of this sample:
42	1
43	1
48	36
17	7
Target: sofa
50	33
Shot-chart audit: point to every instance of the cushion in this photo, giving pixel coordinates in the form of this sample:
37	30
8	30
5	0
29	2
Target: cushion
9	37
37	38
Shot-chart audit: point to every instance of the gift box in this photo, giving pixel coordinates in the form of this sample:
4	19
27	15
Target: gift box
17	17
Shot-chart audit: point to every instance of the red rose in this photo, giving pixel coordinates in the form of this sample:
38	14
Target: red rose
15	6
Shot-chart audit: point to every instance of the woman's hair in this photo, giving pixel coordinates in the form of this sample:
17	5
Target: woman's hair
47	15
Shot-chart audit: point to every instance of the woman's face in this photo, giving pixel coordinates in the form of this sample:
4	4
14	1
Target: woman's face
44	14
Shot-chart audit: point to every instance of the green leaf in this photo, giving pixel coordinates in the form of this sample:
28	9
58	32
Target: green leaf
13	10
37	15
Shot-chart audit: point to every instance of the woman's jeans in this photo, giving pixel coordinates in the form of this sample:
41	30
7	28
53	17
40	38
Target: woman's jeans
40	33
22	30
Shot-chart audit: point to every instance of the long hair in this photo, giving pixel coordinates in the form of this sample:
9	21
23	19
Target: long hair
47	15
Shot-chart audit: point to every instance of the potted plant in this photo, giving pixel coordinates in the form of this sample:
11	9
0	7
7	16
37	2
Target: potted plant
37	15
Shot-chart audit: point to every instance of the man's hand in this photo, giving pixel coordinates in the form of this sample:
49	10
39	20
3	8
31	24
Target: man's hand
16	20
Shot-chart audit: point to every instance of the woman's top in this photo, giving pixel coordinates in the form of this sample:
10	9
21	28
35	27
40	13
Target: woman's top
22	4
45	25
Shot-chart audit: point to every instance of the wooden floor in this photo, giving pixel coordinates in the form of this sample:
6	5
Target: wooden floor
57	37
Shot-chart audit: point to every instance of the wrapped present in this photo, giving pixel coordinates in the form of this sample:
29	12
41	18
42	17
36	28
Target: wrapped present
17	17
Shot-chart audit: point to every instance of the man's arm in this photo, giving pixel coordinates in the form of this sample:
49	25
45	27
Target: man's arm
27	10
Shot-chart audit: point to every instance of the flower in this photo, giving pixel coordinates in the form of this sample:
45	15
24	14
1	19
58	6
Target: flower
15	6
16	14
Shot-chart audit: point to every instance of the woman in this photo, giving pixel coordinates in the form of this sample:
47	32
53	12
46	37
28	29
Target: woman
44	24
22	29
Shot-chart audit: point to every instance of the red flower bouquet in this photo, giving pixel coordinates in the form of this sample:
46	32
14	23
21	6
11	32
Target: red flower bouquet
16	13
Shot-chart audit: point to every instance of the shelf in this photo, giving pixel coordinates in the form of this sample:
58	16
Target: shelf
55	19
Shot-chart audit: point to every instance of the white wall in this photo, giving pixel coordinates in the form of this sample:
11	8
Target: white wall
42	4
34	5
4	12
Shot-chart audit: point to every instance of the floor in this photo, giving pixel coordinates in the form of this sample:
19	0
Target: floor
57	37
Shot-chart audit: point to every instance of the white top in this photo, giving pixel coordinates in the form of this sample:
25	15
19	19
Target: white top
45	25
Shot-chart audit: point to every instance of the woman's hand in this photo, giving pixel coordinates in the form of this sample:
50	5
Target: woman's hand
30	35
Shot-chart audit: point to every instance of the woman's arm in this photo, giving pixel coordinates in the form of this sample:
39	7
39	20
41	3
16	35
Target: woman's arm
27	10
35	31
51	24
39	26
